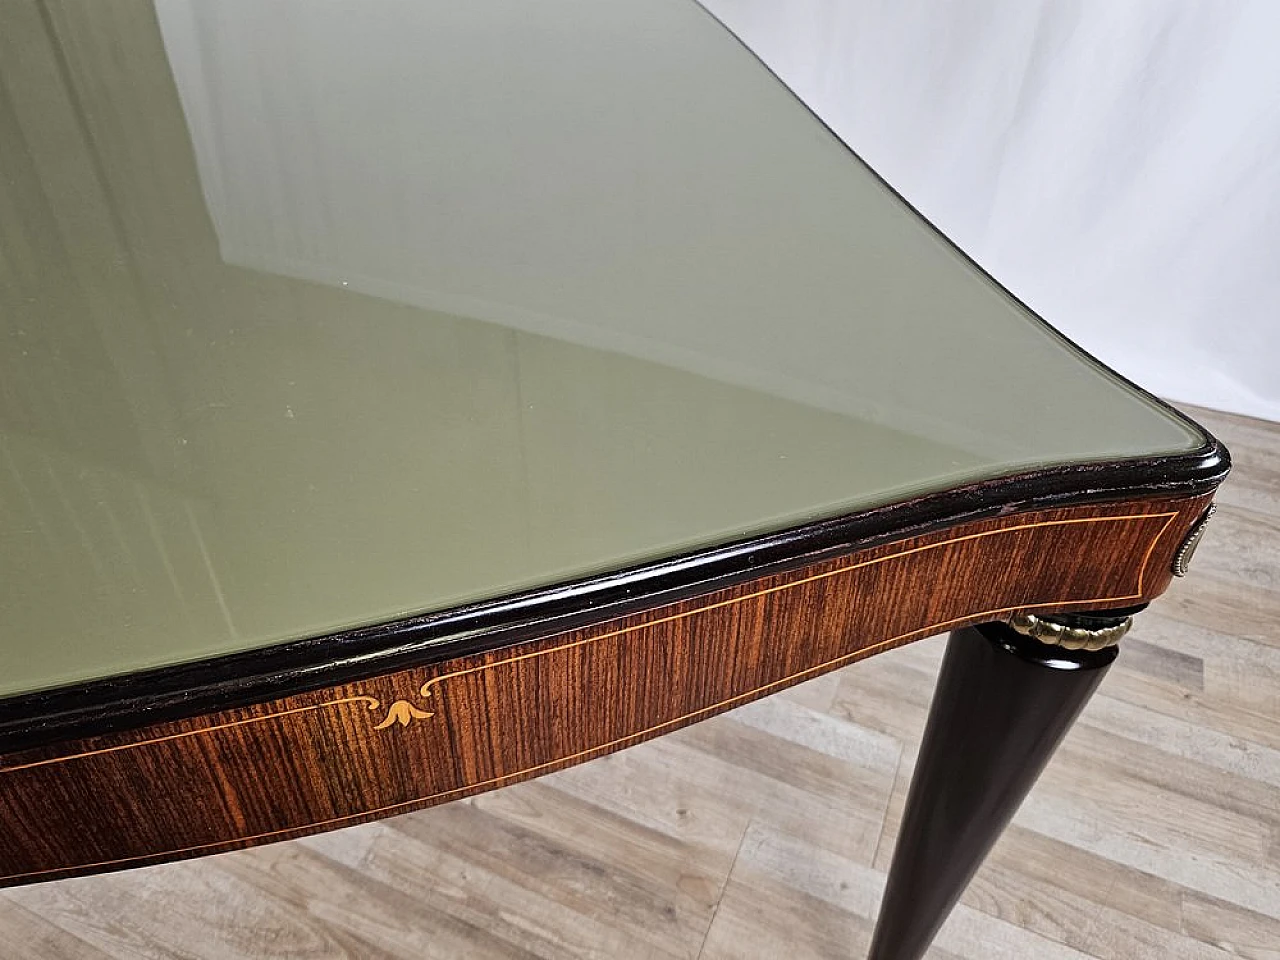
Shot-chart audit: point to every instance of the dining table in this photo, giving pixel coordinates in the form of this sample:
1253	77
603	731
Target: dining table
400	401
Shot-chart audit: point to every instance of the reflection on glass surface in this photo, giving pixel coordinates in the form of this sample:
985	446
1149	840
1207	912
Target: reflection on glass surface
316	315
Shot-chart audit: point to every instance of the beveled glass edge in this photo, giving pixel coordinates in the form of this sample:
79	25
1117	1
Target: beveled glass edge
1207	439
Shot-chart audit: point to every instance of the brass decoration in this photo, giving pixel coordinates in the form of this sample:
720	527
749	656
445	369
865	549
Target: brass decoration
1185	552
1070	638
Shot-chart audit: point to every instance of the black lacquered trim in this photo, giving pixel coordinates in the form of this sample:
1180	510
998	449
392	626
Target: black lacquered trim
190	689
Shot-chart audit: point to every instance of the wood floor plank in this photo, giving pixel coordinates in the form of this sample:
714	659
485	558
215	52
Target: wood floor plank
371	919
541	919
664	901
39	938
1096	917
164	912
1241	932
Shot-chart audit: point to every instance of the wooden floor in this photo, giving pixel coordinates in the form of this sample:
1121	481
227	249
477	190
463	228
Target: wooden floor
1155	833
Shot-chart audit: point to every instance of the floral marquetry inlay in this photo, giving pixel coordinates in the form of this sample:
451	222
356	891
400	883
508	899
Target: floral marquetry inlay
403	712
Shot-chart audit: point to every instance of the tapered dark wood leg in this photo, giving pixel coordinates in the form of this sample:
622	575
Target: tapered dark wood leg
1004	701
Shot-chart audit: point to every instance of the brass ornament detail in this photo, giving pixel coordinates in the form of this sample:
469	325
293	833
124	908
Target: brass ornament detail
1182	559
1070	638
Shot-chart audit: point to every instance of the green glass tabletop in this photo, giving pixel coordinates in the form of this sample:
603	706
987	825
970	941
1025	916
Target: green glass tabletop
318	315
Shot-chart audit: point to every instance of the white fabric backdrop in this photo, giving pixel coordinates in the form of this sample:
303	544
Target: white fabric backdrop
1117	165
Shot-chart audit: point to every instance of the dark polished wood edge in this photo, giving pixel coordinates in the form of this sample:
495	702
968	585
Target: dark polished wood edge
187	690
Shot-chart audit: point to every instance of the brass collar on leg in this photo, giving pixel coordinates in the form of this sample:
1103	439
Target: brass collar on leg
1070	638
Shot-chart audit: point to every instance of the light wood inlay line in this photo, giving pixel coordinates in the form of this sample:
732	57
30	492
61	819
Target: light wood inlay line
1146	559
631	738
370	703
547	765
373	703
